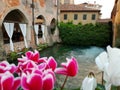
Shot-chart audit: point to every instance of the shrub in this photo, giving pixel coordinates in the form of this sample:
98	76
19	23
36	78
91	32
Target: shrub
12	57
85	35
42	46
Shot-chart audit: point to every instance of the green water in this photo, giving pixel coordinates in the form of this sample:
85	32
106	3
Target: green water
85	57
61	52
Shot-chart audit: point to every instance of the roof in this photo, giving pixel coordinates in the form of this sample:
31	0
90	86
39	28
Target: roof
80	7
104	20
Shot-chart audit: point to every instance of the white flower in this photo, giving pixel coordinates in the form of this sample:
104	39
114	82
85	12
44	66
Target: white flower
102	60
89	83
109	62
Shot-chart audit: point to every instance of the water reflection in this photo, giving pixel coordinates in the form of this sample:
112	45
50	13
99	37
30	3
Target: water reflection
85	57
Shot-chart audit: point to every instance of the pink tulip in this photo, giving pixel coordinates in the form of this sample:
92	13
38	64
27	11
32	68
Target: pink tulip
70	68
26	65
32	81
49	71
33	56
42	66
8	82
5	66
51	63
48	79
48	82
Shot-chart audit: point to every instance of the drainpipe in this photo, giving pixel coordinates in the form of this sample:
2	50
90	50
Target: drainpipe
33	13
57	31
58	11
33	6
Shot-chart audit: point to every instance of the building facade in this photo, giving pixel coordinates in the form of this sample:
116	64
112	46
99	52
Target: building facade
82	13
66	1
115	15
27	23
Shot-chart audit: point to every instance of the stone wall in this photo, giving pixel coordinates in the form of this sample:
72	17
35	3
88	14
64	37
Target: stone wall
17	46
115	15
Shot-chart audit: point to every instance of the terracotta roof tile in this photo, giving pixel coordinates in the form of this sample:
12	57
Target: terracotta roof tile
79	7
104	20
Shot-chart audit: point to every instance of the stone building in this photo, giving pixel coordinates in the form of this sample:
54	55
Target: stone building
81	13
115	15
66	1
27	23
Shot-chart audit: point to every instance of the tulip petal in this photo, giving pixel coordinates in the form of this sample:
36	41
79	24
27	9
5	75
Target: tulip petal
16	83
102	60
43	59
48	82
72	70
108	86
35	82
49	71
2	69
110	62
113	53
21	60
112	73
89	83
42	66
29	54
24	84
36	71
64	65
7	81
72	67
61	71
52	63
35	56
4	63
13	68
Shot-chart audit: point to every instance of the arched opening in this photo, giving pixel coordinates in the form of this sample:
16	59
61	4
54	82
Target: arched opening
53	25
15	17
40	21
40	29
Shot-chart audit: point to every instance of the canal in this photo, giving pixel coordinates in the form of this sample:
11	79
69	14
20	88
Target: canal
85	57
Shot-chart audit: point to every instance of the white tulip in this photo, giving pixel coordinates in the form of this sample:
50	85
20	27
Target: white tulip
113	53
89	83
102	60
109	62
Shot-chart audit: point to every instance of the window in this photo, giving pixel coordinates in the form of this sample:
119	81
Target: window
17	34
93	17
84	16
65	16
75	16
40	32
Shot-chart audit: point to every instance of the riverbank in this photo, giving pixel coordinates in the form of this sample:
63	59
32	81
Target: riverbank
85	57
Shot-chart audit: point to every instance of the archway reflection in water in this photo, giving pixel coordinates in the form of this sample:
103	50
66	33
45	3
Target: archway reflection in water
85	57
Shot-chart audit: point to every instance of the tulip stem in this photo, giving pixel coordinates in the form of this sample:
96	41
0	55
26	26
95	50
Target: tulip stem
64	83
102	78
118	88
